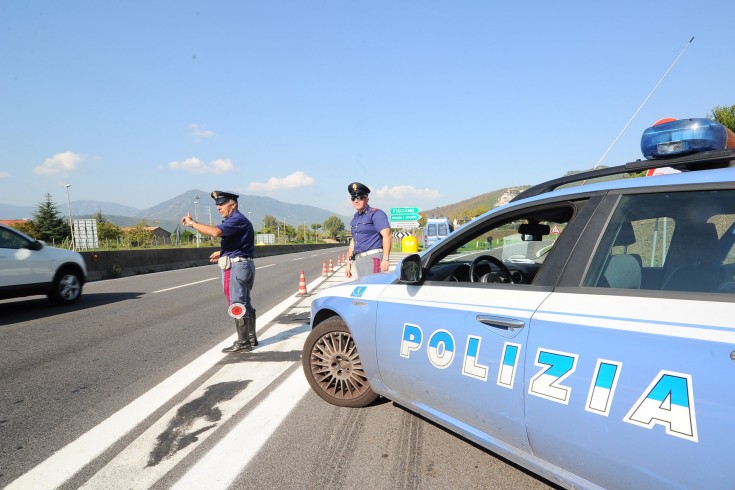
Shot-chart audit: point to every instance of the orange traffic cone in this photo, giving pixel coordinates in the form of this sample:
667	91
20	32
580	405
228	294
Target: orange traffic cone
302	285
324	269
339	261
331	266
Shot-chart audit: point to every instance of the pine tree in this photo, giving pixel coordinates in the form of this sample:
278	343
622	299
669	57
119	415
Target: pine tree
51	225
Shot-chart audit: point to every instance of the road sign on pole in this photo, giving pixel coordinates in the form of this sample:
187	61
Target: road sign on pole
404	224
404	217
407	217
404	210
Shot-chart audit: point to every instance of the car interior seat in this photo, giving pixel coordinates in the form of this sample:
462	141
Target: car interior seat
693	262
623	270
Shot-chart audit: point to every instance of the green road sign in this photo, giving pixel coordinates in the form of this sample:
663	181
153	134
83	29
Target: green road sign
404	217
404	211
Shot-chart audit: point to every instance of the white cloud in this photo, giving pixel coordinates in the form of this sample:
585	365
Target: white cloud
293	181
200	132
4	175
196	166
406	191
61	163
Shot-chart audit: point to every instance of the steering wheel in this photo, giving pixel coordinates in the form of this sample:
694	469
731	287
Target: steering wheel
504	275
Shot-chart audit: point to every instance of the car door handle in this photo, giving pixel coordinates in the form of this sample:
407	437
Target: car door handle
499	322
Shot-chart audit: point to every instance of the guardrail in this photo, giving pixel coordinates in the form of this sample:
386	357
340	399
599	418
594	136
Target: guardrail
121	263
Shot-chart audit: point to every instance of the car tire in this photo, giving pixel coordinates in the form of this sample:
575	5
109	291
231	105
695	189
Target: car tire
67	287
333	368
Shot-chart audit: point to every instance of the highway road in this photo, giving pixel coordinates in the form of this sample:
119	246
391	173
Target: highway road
128	389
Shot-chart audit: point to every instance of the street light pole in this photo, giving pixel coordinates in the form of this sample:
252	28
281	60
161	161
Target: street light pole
71	223
196	215
285	235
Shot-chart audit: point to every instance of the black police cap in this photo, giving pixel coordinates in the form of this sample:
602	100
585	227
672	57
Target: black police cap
221	197
358	188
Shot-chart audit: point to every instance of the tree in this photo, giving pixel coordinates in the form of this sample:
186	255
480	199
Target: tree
316	227
28	227
138	236
270	224
288	232
107	230
302	233
51	225
333	227
724	115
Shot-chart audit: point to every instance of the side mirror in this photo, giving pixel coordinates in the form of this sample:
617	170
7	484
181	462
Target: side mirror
36	245
411	269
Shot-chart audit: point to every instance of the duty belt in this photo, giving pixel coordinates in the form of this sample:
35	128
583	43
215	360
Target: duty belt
370	252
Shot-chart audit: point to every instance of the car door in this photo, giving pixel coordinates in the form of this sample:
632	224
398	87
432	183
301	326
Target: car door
454	349
631	383
18	262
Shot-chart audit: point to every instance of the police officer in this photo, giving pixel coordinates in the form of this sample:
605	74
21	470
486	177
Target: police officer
235	258
371	239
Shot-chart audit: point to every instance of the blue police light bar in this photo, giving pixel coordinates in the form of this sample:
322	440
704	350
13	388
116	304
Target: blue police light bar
672	137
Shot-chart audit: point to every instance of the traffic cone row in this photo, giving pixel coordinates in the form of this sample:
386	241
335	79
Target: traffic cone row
302	285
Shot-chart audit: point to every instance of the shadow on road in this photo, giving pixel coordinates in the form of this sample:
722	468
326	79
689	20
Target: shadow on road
37	307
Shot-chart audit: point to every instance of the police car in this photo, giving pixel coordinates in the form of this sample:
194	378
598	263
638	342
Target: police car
584	331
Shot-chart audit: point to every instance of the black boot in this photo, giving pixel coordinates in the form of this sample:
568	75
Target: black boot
242	343
250	322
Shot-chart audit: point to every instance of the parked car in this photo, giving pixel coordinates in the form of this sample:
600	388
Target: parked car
593	342
30	267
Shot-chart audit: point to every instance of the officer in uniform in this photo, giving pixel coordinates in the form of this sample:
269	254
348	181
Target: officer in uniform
369	248
235	258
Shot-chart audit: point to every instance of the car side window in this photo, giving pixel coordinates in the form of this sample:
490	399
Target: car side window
8	239
508	250
668	242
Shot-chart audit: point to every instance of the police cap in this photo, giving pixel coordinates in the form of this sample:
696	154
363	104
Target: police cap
221	197
356	188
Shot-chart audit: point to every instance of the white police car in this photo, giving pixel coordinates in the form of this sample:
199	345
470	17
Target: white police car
29	267
586	333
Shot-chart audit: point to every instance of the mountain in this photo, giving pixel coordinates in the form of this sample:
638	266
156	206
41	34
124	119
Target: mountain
168	214
92	207
468	209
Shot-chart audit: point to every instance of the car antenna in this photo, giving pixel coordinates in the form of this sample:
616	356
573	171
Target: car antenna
644	103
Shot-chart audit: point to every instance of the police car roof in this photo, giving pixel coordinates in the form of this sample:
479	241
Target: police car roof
689	165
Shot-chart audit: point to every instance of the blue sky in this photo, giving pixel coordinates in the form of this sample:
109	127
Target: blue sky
427	102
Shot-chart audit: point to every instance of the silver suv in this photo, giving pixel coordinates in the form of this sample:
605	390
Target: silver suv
29	267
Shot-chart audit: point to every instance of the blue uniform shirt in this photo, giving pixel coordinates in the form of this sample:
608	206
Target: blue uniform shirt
238	236
366	227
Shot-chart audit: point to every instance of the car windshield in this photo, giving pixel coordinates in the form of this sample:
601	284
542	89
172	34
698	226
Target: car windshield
507	244
521	243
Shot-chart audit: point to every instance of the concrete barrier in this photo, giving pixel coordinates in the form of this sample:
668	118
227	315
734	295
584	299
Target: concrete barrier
121	263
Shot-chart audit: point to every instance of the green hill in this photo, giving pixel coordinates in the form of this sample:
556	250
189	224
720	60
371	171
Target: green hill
468	209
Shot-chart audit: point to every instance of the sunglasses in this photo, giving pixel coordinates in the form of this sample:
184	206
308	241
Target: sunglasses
359	197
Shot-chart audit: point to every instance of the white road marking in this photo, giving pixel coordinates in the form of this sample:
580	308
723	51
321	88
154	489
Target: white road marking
185	285
70	459
224	462
190	423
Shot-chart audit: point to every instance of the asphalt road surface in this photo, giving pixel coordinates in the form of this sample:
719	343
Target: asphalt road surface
128	389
